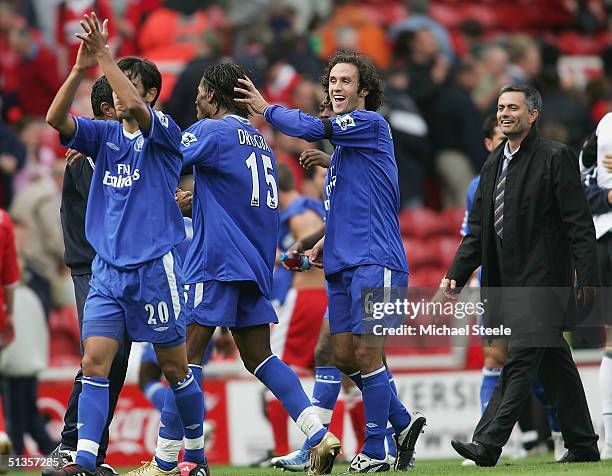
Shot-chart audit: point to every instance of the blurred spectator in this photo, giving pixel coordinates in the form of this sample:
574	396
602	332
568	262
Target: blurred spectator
350	28
20	363
281	78
304	60
306	97
9	60
525	59
12	159
493	62
128	24
9	277
563	109
69	13
37	72
36	208
427	67
419	19
181	105
456	135
170	34
410	138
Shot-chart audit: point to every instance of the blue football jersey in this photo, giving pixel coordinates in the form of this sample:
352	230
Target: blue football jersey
235	199
465	226
283	278
362	189
132	216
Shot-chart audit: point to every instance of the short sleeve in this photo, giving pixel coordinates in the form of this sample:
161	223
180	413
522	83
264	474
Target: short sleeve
164	131
358	129
199	145
88	135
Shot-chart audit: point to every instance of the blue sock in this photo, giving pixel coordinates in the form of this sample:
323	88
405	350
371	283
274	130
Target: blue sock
376	399
398	415
391	448
286	387
538	391
328	382
155	392
489	381
196	370
356	377
92	415
190	406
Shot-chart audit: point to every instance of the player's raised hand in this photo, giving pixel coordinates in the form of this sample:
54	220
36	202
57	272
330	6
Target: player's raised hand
311	157
85	59
315	255
95	36
252	96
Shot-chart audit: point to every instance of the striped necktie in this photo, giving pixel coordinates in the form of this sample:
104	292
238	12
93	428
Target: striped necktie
498	215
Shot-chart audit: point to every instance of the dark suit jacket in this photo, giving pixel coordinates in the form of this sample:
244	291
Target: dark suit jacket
549	238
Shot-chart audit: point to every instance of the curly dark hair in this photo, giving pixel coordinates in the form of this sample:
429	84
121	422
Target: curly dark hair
101	92
369	79
221	79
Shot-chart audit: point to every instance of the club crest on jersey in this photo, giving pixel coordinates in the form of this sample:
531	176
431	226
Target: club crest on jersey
162	118
345	121
188	138
139	143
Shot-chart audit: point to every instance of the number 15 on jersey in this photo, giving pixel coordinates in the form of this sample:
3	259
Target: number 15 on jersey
272	193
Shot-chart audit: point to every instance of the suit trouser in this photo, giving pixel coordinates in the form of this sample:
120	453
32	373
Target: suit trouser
562	387
116	378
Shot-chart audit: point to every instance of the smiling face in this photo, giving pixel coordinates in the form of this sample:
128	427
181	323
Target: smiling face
344	89
513	117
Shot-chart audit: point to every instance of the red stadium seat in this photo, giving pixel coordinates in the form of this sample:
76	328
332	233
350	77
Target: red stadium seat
444	248
452	219
419	254
426	277
420	222
64	340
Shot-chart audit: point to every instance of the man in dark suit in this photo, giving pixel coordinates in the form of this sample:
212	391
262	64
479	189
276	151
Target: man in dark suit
531	230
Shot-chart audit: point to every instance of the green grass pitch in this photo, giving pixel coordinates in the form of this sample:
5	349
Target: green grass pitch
537	466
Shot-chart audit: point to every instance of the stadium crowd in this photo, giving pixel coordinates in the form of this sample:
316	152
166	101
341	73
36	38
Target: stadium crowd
443	64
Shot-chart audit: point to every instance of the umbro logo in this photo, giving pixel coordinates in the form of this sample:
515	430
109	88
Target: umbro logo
113	146
193	427
79	425
161	329
372	425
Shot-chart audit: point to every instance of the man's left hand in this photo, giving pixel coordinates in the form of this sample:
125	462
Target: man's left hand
95	37
184	200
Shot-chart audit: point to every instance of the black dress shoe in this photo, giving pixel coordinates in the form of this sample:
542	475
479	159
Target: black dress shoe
474	451
575	457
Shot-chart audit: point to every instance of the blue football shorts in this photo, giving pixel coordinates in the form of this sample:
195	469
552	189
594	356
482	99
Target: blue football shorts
233	304
147	302
356	292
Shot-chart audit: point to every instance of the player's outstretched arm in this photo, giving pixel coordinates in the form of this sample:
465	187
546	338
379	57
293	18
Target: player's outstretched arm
291	122
95	39
58	115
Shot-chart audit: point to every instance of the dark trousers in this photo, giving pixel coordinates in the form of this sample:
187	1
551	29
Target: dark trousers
116	378
19	405
562	387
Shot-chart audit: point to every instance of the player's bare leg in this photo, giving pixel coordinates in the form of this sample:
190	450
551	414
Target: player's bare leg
198	337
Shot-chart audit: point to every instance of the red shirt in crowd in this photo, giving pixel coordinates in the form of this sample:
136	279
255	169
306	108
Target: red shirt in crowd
9	269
